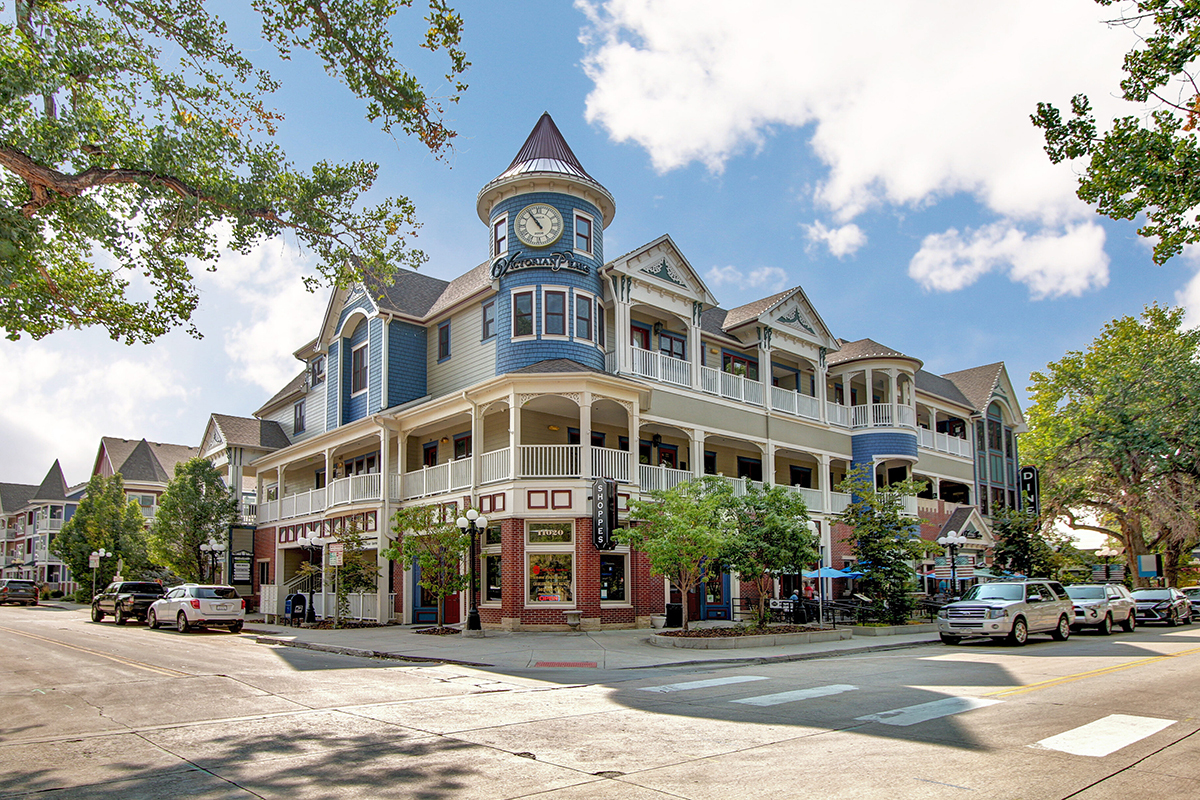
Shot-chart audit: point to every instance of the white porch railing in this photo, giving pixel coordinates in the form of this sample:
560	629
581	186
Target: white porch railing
838	502
657	479
944	443
908	506
395	487
495	466
610	463
906	416
449	477
837	415
661	367
550	460
733	387
813	499
363	605
792	402
882	415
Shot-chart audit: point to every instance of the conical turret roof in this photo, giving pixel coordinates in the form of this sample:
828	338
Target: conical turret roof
546	153
54	485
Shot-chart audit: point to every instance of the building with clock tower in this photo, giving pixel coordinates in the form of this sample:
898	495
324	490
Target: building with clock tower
517	386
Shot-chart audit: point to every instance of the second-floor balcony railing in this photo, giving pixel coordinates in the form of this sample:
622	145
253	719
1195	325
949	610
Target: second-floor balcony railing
51	524
661	367
883	415
944	443
793	402
449	477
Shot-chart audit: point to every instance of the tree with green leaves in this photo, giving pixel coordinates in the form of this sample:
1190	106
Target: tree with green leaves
772	539
426	535
1114	431
196	508
1148	162
684	531
1021	546
104	519
136	130
357	573
885	541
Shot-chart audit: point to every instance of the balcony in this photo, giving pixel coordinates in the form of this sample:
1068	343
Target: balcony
943	443
49	524
883	415
342	491
661	367
792	402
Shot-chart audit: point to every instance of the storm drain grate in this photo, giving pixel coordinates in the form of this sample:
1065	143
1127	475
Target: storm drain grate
591	664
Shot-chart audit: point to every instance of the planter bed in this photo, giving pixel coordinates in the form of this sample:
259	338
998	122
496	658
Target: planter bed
893	630
753	640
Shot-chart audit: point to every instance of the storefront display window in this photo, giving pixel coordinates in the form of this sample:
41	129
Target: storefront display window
612	579
551	577
492	536
550	532
491	578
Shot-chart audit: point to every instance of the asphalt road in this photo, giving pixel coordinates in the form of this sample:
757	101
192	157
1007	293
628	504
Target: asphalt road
92	710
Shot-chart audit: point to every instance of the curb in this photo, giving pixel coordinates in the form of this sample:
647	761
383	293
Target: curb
362	653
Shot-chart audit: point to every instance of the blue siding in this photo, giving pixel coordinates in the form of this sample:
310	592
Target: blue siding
512	356
407	369
375	360
893	443
362	302
333	382
353	408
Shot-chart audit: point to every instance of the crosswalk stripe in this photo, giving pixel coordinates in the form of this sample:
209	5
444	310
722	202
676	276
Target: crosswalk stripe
705	684
1106	735
911	715
798	694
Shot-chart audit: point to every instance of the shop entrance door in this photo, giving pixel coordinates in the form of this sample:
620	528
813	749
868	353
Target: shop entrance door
714	597
425	604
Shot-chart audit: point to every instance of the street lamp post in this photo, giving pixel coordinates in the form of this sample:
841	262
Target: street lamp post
1106	553
213	549
952	541
311	545
473	522
95	559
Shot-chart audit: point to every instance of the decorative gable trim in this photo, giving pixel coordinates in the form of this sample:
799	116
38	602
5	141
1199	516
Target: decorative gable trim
796	318
664	271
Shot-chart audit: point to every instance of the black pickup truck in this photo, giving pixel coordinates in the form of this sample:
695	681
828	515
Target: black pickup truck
126	600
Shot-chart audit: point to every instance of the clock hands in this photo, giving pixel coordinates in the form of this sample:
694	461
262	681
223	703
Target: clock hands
537	222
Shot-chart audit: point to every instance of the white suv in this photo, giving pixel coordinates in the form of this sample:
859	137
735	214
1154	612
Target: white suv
1008	610
199	606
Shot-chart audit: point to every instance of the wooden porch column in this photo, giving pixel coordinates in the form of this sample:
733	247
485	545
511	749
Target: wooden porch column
585	435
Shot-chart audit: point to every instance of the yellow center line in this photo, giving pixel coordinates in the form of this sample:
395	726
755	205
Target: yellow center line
170	673
1033	687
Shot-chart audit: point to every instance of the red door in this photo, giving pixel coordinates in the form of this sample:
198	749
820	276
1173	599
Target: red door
450	609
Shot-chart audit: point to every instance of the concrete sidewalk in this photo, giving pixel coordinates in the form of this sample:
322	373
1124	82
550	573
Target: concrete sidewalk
518	651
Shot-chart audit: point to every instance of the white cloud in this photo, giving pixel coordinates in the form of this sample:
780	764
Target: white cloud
906	105
1052	264
1189	296
771	278
842	241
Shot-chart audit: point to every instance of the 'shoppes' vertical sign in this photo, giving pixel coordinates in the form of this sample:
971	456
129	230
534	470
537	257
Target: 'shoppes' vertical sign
604	513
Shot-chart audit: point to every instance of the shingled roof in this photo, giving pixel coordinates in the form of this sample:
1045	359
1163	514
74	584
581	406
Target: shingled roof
546	151
292	388
978	383
54	485
154	464
864	348
554	365
752	311
14	496
938	386
261	434
411	293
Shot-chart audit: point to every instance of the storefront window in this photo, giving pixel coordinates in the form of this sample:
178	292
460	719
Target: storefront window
612	578
549	532
491	578
492	536
551	577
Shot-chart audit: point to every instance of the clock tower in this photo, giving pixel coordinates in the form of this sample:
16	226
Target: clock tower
546	216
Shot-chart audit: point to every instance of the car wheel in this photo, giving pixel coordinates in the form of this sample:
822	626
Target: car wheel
33	602
1187	620
1105	627
181	623
151	619
1019	634
97	614
119	617
1171	619
237	628
1063	631
1130	623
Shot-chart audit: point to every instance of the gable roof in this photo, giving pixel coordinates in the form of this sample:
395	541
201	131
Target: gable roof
978	383
292	387
938	386
14	496
260	434
666	243
53	486
411	293
142	466
155	464
476	280
752	311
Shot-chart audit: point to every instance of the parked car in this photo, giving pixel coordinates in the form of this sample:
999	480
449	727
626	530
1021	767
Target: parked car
1008	610
126	600
13	590
199	606
1163	605
1101	605
1193	595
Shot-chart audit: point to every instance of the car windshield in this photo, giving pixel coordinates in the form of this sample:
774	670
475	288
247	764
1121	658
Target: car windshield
1085	592
1193	591
995	591
1152	594
142	588
219	592
20	584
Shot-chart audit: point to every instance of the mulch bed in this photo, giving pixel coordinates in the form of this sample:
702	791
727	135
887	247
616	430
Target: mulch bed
437	631
716	633
327	624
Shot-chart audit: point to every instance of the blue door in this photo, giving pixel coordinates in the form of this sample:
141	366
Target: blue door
424	604
714	597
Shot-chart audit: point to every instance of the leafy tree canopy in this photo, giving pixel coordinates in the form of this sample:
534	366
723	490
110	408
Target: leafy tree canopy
196	508
130	128
104	519
885	541
684	531
1020	545
358	571
772	539
1149	163
1114	430
426	535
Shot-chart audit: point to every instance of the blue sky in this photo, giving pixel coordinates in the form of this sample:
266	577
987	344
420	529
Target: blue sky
879	156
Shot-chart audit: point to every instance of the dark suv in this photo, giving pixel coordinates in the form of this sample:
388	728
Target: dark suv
13	590
126	600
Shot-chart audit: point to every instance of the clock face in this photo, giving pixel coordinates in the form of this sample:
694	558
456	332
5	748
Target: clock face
539	225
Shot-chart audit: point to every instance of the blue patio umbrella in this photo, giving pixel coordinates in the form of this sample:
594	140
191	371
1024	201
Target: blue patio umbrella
849	574
825	572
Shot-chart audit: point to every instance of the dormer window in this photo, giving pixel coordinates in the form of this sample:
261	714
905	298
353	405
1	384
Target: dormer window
316	371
